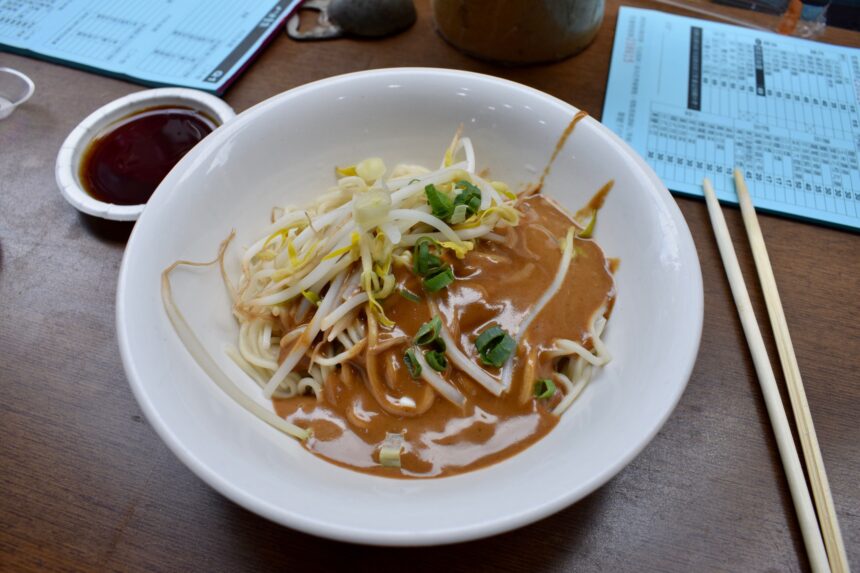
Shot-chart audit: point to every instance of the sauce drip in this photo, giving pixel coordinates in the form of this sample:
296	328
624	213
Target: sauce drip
126	163
579	116
595	203
497	283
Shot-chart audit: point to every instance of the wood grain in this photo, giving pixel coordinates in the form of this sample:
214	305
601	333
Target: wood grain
88	486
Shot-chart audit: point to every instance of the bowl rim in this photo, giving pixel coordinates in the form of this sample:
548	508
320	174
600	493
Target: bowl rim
71	151
338	532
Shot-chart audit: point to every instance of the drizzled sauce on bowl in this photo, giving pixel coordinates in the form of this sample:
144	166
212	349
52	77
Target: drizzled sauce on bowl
497	283
126	163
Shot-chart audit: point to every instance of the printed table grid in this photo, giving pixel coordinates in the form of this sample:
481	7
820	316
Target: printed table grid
707	98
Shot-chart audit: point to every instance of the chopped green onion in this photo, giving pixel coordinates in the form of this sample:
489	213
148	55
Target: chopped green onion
436	360
470	197
389	453
487	337
425	240
371	208
312	297
428	332
461	212
589	229
544	388
500	353
408	294
424	262
412	364
371	169
467	187
495	346
440	203
440	280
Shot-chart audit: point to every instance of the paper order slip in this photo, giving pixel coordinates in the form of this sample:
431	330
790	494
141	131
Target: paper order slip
697	99
200	44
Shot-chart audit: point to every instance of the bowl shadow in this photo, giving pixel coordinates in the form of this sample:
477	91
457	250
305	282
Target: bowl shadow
116	232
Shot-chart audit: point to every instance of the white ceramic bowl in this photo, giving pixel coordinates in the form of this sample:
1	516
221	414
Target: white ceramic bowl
282	151
67	168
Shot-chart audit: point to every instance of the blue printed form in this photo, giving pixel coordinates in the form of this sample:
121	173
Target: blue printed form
697	99
202	44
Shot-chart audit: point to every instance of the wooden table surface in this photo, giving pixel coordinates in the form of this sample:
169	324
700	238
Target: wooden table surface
85	484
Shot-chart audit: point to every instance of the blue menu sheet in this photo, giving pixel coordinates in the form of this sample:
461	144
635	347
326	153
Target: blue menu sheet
697	99
201	44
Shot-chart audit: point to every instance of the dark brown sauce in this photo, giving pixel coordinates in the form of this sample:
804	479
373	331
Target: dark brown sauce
496	284
125	164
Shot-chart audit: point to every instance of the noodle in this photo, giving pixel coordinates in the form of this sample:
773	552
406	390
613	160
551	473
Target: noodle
432	274
567	255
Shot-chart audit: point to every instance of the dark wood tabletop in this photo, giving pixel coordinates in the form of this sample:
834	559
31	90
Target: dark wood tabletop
85	483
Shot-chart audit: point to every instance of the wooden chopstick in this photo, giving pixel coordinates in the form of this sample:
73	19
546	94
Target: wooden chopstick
805	428
778	419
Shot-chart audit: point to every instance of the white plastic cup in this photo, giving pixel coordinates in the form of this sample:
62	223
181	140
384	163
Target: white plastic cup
67	169
15	89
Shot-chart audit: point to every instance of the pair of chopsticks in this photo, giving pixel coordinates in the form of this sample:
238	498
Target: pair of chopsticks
834	557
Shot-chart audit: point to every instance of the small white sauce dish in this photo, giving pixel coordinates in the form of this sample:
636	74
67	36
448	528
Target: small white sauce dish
69	158
15	89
